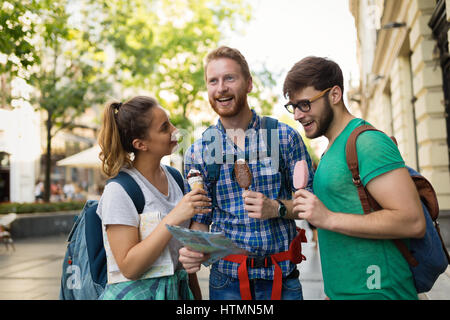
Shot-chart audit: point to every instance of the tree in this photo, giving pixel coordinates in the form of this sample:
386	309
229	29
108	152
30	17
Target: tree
17	26
160	45
70	78
17	51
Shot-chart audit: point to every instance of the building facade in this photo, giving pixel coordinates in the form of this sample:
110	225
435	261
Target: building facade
23	151
20	153
404	90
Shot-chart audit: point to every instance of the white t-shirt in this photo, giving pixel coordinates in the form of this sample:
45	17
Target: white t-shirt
116	207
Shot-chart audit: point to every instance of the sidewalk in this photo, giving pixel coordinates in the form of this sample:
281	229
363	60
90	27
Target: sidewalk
33	272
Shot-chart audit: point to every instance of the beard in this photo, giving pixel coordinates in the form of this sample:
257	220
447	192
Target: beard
237	105
325	120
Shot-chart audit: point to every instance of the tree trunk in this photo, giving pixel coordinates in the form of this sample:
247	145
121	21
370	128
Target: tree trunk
48	159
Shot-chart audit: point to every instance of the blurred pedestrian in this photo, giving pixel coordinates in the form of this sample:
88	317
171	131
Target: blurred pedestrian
39	191
69	191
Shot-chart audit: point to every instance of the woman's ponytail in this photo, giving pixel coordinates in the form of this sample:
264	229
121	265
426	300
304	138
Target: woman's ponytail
122	123
113	156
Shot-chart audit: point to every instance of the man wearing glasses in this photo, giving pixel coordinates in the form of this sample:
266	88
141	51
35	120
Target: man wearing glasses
358	260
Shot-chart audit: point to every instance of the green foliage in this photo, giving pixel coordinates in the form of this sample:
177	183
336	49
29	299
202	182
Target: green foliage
182	122
160	45
153	45
18	53
81	47
17	29
70	78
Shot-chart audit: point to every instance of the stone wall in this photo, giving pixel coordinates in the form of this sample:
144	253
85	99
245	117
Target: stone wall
42	224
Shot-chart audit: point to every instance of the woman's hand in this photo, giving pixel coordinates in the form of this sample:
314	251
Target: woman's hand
195	202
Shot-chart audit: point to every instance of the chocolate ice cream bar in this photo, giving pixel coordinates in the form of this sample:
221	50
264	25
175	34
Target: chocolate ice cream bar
242	173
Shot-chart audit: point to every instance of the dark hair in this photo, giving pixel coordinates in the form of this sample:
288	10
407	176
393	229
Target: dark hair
320	73
230	53
122	123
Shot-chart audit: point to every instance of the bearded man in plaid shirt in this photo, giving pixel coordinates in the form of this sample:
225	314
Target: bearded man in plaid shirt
259	220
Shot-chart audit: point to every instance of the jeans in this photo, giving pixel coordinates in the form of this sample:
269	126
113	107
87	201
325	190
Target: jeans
223	287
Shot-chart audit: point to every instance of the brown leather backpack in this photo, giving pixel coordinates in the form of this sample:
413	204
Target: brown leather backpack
424	188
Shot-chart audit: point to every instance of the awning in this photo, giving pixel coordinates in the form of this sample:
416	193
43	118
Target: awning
85	159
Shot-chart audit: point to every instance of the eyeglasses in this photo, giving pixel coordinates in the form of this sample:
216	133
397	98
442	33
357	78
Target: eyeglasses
305	105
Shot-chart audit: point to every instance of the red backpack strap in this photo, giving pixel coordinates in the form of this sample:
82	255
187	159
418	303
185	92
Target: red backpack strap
244	282
367	201
294	254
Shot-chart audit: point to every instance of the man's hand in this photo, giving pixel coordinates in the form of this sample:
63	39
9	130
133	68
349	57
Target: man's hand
191	260
310	208
259	206
401	216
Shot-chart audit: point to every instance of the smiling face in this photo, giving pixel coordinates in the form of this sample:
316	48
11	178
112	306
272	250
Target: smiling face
316	121
159	139
227	87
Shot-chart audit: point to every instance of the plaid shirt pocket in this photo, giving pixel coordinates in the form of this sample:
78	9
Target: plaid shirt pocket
267	179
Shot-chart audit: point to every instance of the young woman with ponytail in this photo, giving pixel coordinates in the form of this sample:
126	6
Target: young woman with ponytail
141	127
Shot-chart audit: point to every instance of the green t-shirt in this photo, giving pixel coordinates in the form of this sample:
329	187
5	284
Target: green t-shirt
357	268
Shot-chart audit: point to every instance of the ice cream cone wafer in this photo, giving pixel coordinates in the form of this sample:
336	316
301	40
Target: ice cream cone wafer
195	179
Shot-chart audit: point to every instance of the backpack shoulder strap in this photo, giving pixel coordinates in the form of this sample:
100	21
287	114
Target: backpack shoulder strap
93	227
212	168
426	193
270	123
132	188
350	150
177	176
352	161
94	245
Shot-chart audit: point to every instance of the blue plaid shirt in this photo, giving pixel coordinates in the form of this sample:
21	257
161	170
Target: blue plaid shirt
260	237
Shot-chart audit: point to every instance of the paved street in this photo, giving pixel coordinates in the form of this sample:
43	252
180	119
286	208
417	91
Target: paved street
33	272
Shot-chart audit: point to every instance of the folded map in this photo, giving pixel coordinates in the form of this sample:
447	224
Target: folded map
213	243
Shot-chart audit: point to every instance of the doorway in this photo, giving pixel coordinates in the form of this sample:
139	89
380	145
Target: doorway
4	177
